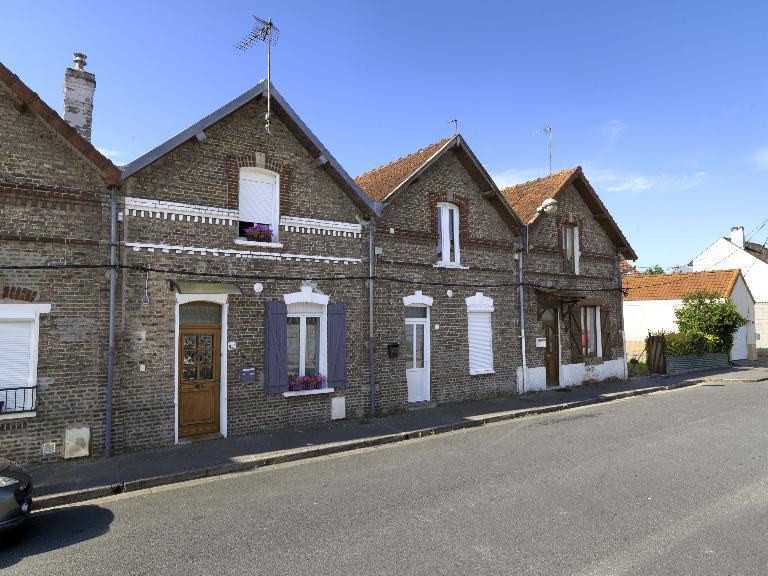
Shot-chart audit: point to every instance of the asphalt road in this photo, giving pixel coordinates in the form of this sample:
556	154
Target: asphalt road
672	483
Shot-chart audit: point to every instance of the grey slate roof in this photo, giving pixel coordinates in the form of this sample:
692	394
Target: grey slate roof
293	121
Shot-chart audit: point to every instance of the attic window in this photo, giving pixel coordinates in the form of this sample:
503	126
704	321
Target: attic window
448	234
259	202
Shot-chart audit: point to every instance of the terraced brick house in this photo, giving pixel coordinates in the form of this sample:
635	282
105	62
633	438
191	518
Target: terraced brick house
236	313
54	211
445	301
572	294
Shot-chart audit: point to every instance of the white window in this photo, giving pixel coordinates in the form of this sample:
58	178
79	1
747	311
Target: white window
571	248
448	234
480	334
590	332
19	329
259	203
307	337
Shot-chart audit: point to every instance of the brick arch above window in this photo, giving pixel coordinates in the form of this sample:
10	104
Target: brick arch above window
266	162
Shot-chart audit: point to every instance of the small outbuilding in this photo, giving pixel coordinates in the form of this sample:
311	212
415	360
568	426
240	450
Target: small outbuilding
650	303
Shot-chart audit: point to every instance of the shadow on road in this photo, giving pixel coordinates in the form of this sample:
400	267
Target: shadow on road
52	530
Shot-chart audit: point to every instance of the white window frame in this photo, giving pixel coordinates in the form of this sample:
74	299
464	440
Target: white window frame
444	209
308	304
575	227
275	224
598	332
31	313
480	307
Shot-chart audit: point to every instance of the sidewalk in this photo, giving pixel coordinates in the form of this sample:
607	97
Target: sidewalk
68	482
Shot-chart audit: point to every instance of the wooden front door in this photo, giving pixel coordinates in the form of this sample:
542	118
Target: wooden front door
199	362
552	350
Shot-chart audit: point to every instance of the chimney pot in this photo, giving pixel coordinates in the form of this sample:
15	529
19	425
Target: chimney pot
737	236
79	87
79	59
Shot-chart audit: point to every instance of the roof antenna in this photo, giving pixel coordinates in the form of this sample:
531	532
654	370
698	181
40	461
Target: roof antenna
548	131
268	33
455	123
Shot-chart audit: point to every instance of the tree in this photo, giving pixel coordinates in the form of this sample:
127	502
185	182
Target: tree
654	270
708	317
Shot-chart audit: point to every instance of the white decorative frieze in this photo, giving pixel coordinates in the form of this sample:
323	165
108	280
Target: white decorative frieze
247	254
322	227
179	212
176	211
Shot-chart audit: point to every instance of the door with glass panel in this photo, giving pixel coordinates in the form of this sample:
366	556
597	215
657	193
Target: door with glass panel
199	368
417	352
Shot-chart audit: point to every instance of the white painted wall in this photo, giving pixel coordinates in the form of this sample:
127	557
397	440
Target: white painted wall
573	374
643	316
724	255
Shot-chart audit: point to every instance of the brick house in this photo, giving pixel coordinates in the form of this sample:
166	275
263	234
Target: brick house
445	302
572	292
54	211
212	335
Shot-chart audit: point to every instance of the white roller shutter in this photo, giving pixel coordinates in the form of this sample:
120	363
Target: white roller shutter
16	353
480	342
257	199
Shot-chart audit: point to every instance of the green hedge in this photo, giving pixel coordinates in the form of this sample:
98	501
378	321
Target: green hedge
682	343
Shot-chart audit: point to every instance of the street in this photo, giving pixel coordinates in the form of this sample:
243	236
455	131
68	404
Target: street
670	483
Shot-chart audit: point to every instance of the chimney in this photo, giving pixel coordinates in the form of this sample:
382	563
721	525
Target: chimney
79	87
737	236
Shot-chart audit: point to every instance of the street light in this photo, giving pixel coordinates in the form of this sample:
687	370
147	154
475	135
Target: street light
549	206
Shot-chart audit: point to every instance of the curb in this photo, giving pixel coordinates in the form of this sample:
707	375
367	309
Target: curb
76	496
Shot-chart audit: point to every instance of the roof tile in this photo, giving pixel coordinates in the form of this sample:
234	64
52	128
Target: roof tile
382	181
525	198
678	285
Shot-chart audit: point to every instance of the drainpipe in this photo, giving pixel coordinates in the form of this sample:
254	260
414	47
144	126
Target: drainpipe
111	349
371	351
523	250
621	317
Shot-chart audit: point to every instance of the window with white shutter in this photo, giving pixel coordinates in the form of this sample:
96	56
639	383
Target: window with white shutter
259	202
480	334
19	326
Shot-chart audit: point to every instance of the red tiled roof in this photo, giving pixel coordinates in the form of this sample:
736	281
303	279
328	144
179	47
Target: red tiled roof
677	286
627	268
31	100
382	181
525	198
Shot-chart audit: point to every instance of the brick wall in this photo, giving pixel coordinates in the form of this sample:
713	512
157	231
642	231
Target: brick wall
53	211
487	247
597	271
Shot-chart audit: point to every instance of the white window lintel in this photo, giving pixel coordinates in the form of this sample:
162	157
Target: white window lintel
306	296
479	303
417	298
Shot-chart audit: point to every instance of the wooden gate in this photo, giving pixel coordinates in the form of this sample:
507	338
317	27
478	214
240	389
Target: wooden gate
657	360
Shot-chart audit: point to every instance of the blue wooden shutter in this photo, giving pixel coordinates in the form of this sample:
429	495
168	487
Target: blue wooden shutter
337	345
275	348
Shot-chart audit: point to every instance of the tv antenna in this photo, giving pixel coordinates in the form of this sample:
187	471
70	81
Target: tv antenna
455	123
263	31
548	131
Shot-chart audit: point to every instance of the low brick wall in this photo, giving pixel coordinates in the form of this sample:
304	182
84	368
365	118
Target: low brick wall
692	362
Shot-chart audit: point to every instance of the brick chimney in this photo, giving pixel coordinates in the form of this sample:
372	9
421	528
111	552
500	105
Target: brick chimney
79	87
737	236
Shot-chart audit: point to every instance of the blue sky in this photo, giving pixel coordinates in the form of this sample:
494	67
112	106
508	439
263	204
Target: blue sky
662	103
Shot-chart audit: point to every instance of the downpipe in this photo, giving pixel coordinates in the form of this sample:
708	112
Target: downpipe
371	351
111	345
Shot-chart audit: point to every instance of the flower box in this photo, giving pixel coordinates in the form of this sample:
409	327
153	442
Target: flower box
259	233
313	382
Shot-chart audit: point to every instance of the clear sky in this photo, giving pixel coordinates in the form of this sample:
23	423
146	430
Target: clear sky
663	103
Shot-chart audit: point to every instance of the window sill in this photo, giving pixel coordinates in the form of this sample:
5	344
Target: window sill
479	372
449	265
292	393
15	415
244	242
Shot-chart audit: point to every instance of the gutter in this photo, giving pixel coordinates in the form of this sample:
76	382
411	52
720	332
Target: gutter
521	281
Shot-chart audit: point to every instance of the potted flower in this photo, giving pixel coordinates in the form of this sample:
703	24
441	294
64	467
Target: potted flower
259	233
314	382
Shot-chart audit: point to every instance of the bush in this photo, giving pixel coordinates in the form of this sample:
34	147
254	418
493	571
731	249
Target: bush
682	343
709	321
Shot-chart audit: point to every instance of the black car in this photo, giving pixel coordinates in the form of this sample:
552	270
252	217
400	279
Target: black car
15	494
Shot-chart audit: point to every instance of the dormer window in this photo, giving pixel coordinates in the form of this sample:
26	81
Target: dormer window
259	205
448	234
